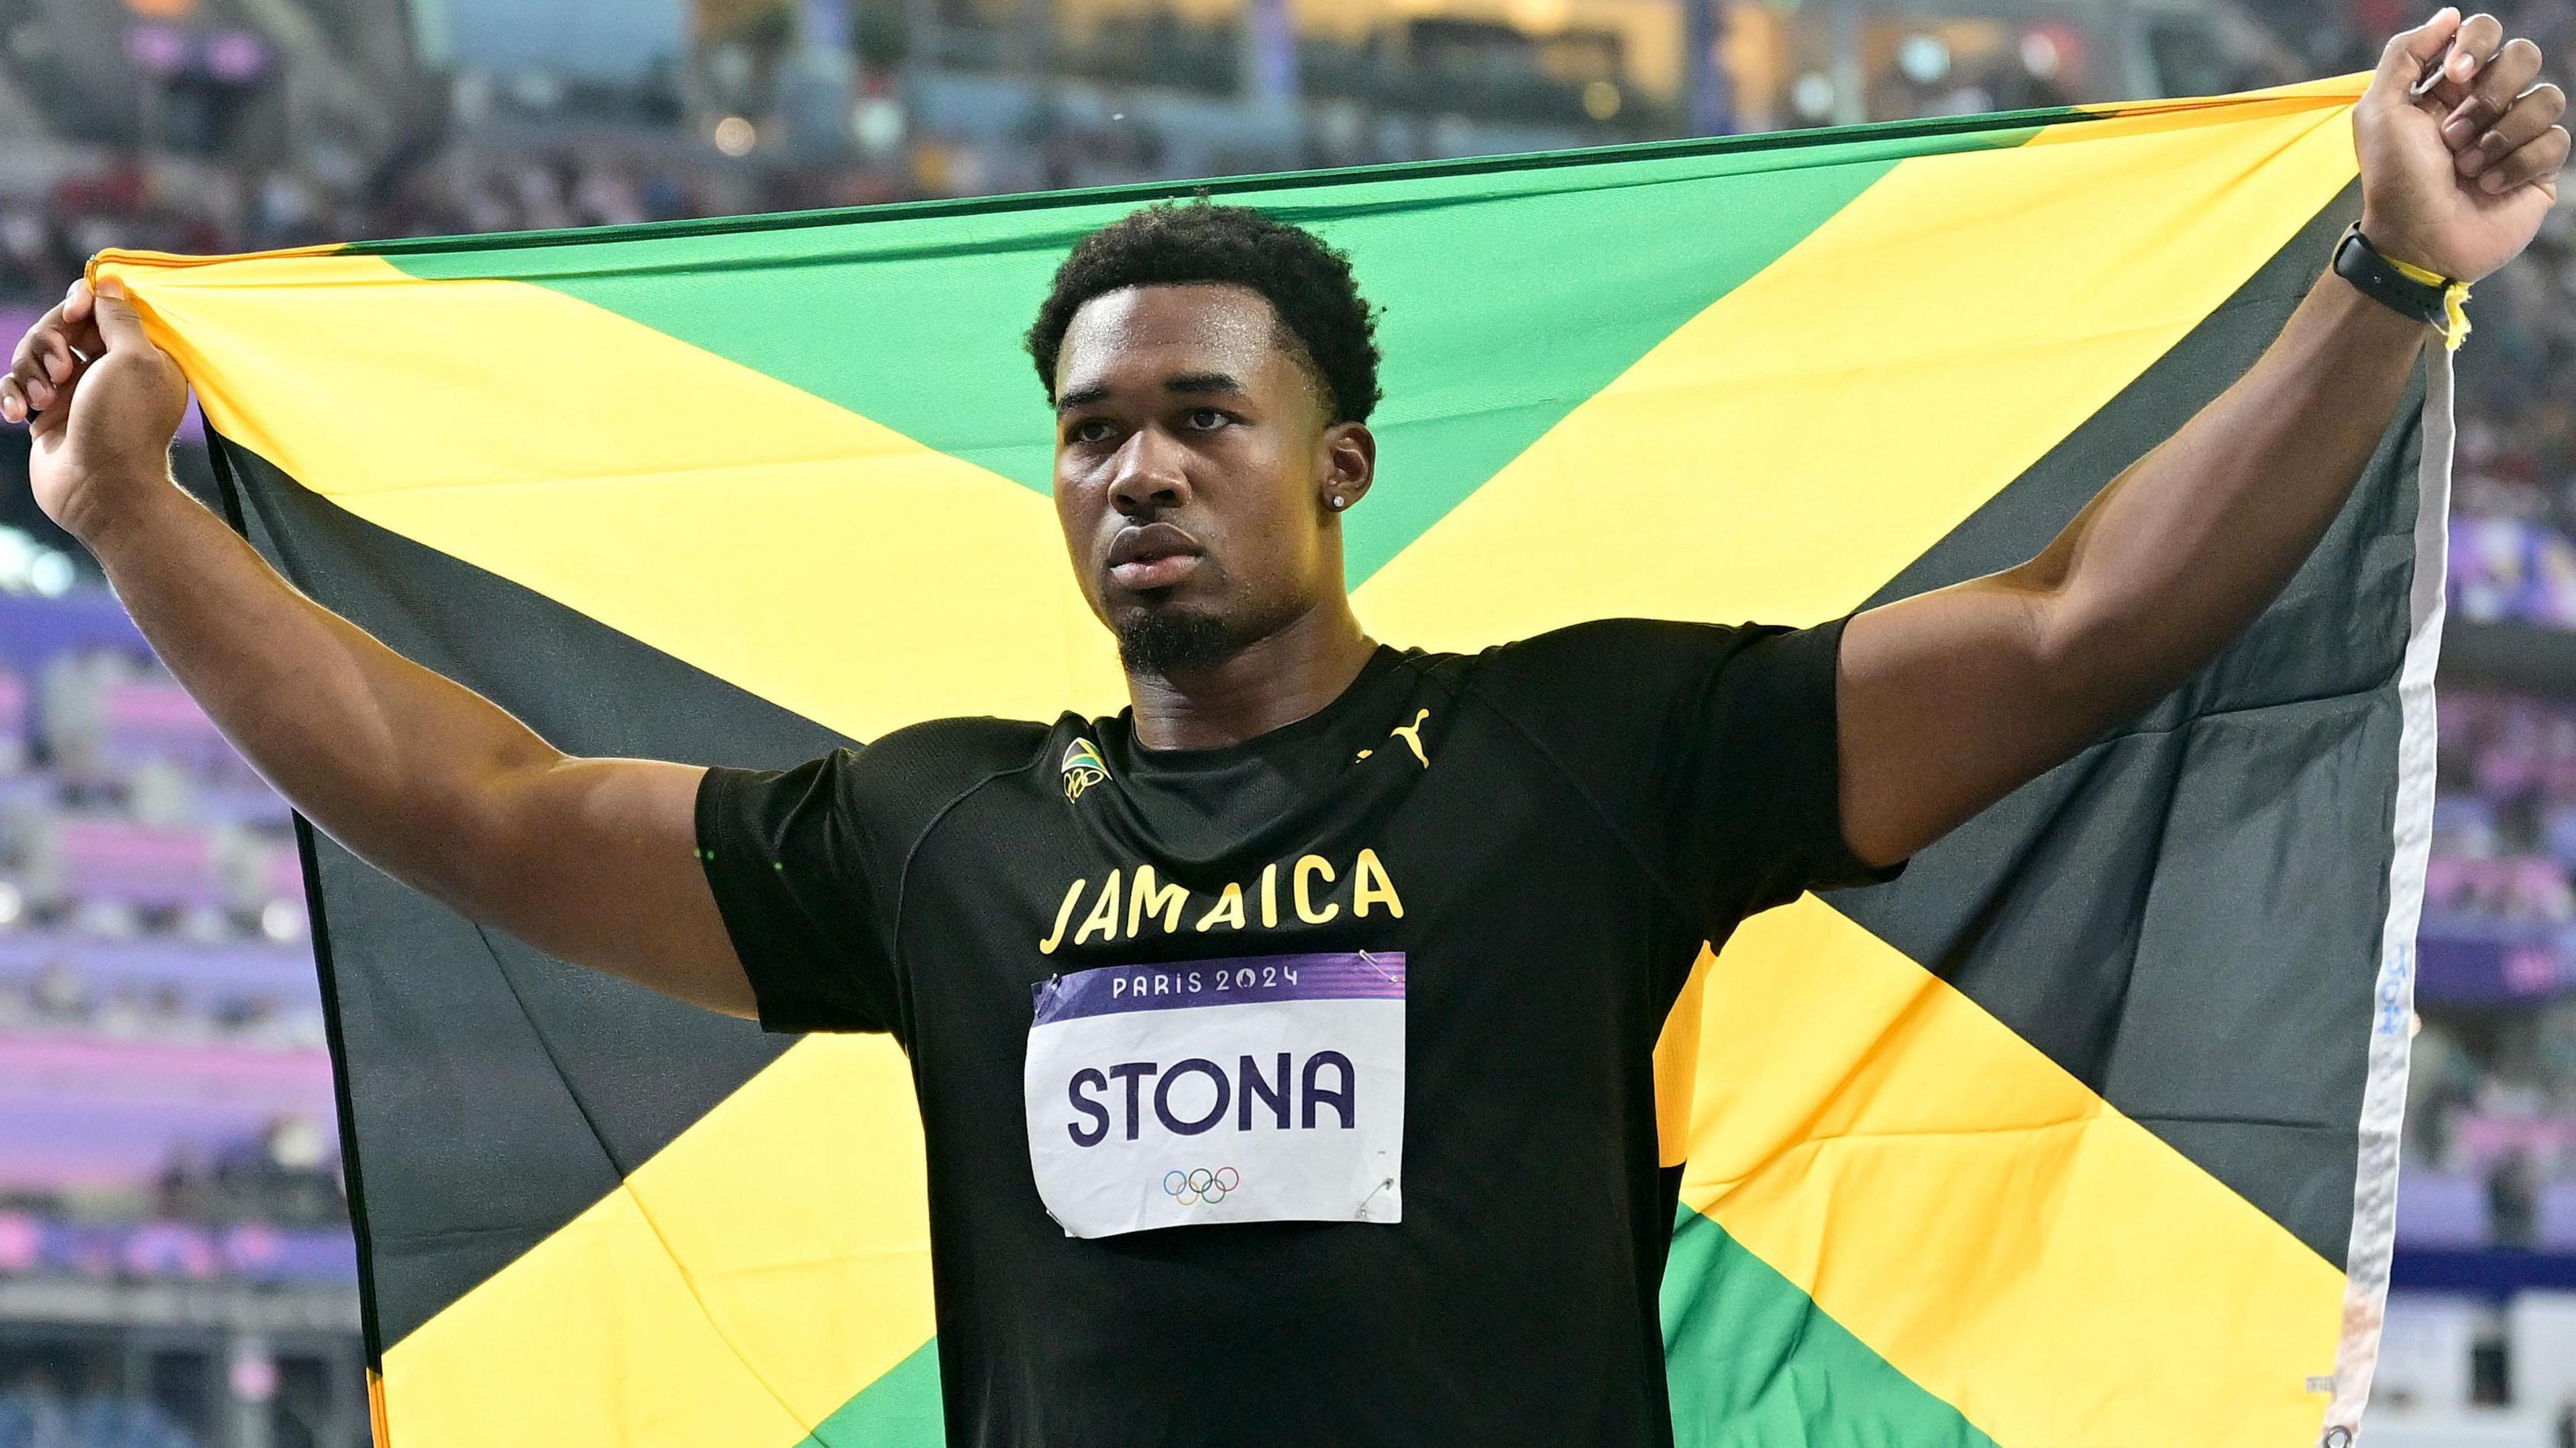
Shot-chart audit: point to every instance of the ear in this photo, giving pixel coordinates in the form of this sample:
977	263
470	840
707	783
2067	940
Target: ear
1346	465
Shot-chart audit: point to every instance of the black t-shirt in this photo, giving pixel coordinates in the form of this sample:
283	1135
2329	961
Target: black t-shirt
1542	833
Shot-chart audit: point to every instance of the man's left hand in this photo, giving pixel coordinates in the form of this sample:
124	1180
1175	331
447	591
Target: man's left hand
2457	178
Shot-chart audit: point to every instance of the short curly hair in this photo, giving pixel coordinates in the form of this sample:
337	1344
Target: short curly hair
1308	283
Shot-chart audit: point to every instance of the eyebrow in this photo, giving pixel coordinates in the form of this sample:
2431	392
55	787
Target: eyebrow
1185	384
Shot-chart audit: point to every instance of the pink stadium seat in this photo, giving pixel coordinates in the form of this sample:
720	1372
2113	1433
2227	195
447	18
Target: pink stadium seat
157	720
97	858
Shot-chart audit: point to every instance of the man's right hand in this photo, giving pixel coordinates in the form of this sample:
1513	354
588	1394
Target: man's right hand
594	860
103	403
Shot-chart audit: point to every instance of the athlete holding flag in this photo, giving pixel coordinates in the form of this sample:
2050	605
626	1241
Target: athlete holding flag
1284	1042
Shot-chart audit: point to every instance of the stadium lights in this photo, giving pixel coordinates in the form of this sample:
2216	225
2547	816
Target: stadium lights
27	566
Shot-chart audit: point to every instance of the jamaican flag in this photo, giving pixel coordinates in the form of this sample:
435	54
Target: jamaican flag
2079	1135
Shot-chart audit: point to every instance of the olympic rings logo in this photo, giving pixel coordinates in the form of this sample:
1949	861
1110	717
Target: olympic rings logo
1190	1188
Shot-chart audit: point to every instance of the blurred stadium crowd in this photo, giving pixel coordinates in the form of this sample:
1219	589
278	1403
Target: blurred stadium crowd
2491	1123
166	1111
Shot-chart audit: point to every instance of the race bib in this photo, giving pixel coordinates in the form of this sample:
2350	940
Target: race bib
1268	1089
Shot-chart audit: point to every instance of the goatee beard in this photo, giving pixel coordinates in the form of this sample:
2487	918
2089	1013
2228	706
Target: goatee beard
1177	641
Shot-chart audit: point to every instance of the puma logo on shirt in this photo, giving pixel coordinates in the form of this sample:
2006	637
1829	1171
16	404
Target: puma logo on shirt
1411	734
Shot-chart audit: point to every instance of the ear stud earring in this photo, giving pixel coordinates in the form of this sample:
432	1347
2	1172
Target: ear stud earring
1337	502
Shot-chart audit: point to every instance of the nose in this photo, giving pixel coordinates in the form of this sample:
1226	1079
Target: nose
1148	477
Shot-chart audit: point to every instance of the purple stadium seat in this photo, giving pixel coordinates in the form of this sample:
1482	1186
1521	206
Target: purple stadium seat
2439	1210
2558	1216
151	963
252	1252
79	1111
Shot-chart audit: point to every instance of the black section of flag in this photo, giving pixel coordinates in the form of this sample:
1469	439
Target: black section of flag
2109	912
496	1093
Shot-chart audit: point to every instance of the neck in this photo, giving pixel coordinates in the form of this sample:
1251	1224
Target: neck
1277	679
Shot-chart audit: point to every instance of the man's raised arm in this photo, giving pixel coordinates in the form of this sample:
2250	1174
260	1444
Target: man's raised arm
594	860
1951	699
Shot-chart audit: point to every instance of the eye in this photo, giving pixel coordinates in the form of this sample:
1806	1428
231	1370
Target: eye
1206	419
1091	430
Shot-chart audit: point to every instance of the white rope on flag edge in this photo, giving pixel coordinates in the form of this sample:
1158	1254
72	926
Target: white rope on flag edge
2383	1096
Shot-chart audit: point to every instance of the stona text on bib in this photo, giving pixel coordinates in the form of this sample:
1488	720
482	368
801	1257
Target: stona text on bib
1262	1089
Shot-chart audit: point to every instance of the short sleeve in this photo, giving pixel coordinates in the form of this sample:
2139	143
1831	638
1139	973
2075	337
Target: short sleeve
789	857
1769	755
1712	751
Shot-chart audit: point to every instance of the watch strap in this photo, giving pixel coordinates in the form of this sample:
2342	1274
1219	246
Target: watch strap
2410	290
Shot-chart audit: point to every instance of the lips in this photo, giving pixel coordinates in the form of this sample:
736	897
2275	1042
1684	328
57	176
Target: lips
1156	555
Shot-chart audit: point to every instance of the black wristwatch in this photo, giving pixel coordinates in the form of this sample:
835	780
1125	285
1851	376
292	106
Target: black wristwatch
2378	278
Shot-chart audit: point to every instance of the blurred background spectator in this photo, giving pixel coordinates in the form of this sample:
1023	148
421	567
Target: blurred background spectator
175	1262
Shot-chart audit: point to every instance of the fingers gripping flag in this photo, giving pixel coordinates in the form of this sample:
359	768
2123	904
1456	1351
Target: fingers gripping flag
2081	1133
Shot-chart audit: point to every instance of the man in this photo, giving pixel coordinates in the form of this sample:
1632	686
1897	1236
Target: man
1283	1043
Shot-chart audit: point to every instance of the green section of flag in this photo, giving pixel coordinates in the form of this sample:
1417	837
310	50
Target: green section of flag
913	317
1754	1363
899	1410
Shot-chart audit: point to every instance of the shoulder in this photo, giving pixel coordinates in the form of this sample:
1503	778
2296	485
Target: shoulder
965	745
920	769
1631	638
887	789
1627	655
1619	693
